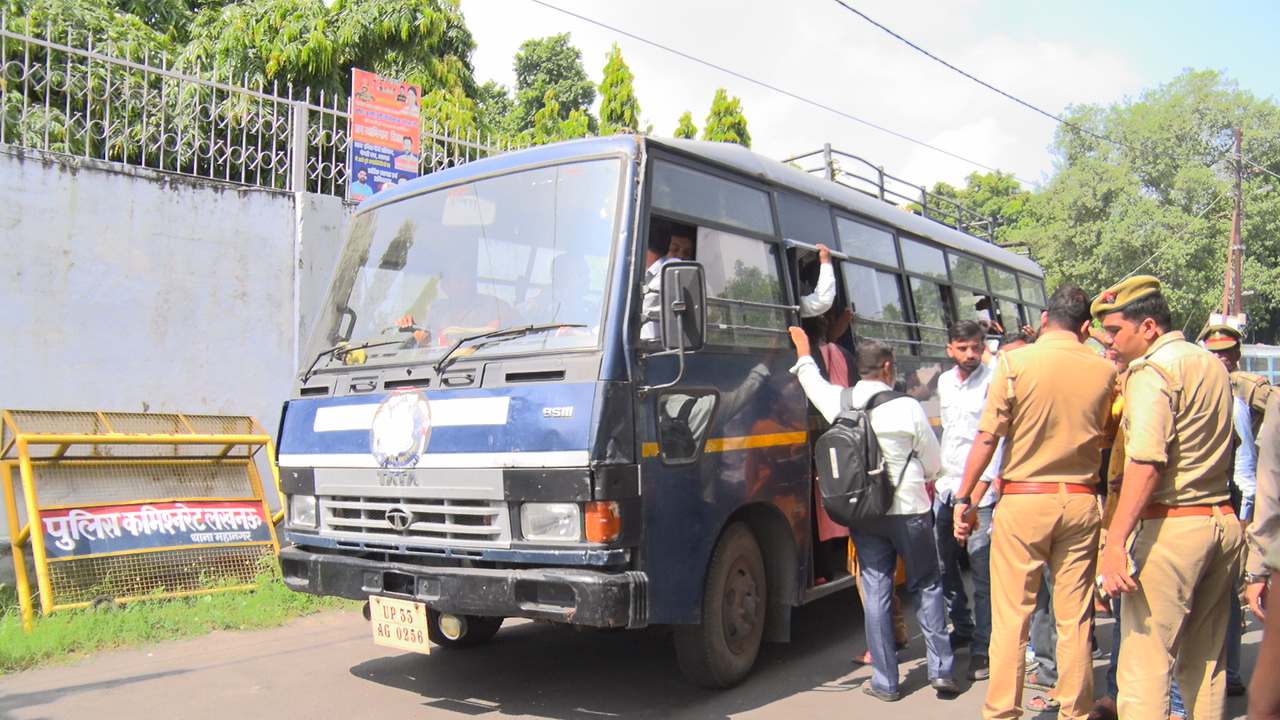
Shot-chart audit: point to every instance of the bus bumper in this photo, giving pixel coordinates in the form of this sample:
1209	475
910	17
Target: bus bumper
571	595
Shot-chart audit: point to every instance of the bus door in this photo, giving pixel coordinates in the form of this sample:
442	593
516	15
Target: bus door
731	433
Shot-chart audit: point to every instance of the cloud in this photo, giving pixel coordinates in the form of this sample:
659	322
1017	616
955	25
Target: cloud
820	51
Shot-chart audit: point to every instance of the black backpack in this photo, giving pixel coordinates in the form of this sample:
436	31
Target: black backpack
675	435
853	477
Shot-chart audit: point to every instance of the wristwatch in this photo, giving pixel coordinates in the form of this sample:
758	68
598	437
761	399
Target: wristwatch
1255	578
960	501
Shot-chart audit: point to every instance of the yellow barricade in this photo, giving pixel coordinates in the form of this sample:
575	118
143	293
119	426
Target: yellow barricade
122	506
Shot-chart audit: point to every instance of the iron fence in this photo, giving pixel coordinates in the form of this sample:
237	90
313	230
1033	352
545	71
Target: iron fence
65	95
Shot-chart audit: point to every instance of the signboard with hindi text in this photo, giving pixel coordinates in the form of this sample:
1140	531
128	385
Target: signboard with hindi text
112	507
105	530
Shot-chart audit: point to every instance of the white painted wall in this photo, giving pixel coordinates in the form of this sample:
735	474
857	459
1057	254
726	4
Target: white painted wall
126	289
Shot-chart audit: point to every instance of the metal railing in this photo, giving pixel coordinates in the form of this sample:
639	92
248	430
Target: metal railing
862	175
139	110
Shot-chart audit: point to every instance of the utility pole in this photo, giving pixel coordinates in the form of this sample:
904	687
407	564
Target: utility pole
1233	292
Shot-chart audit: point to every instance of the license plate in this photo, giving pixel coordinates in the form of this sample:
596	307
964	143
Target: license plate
400	624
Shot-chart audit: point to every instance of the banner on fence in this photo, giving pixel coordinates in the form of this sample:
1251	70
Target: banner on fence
386	122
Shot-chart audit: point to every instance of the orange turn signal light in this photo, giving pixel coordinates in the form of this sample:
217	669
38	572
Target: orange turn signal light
604	522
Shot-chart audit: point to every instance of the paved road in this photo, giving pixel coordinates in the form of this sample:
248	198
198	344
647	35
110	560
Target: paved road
326	666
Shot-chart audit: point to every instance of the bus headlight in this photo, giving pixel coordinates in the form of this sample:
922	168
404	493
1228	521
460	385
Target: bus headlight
551	521
302	510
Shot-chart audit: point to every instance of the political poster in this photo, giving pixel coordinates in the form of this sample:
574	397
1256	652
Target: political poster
386	121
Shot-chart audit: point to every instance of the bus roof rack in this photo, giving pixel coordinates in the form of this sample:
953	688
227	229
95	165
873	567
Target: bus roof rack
863	176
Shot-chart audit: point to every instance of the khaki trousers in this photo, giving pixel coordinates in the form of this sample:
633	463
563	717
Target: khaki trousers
1028	533
1177	620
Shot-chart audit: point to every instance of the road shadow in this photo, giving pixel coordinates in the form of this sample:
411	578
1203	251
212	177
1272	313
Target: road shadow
21	701
539	670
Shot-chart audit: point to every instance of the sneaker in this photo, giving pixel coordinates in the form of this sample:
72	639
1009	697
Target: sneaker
959	642
885	696
979	667
945	686
1236	689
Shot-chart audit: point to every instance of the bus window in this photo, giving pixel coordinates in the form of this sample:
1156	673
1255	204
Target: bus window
931	314
805	220
864	242
967	272
878	305
714	198
924	259
744	290
683	421
1003	282
1032	290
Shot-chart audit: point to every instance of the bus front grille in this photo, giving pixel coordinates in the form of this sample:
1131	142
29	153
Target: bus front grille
417	521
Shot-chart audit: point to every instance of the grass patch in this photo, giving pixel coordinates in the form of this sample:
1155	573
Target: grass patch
69	635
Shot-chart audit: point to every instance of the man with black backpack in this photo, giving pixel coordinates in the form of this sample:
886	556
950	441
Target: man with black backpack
911	456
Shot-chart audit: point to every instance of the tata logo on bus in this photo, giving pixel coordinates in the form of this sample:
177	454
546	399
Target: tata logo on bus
558	412
400	430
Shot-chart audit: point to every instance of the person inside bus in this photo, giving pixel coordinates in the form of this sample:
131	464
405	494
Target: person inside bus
683	243
819	300
459	309
566	299
659	245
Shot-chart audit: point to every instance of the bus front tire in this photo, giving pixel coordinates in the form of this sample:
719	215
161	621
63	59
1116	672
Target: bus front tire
719	651
477	630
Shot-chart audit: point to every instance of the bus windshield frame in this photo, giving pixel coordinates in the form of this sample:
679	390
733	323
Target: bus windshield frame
528	247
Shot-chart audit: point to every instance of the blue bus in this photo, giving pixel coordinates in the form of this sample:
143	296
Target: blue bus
494	421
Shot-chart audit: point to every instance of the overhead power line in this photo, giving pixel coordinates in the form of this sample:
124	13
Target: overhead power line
1051	116
779	90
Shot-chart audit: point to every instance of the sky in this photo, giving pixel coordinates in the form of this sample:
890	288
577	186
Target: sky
1048	54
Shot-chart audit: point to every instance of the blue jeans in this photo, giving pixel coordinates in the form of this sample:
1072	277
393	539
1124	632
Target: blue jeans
975	625
879	544
1044	632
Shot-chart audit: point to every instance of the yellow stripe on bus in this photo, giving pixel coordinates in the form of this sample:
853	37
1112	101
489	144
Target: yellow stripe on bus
742	443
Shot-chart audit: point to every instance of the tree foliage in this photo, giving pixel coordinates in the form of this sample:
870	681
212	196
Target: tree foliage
550	64
725	122
1158	200
619	108
687	129
313	44
994	195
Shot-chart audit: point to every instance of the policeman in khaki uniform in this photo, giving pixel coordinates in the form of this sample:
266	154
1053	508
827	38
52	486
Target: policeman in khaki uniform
1174	545
1224	341
1050	401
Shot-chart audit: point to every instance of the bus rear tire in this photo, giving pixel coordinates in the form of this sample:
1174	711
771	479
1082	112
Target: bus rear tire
475	630
718	652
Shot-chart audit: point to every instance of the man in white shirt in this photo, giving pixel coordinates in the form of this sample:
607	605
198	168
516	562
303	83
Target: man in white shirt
911	452
962	391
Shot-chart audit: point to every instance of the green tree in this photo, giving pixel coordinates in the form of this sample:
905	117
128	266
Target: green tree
725	122
686	128
550	64
994	195
1160	203
619	108
315	45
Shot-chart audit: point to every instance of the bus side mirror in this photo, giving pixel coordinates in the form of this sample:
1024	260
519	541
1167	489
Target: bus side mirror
684	306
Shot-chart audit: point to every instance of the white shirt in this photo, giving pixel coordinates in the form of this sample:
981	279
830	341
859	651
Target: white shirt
650	302
962	404
824	293
901	426
1246	473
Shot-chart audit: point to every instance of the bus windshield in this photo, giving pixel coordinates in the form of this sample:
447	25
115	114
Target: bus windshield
527	248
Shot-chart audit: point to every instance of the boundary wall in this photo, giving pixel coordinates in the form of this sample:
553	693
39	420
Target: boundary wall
132	290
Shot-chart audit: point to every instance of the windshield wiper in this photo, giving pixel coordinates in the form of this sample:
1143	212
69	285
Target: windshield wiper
493	337
342	351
